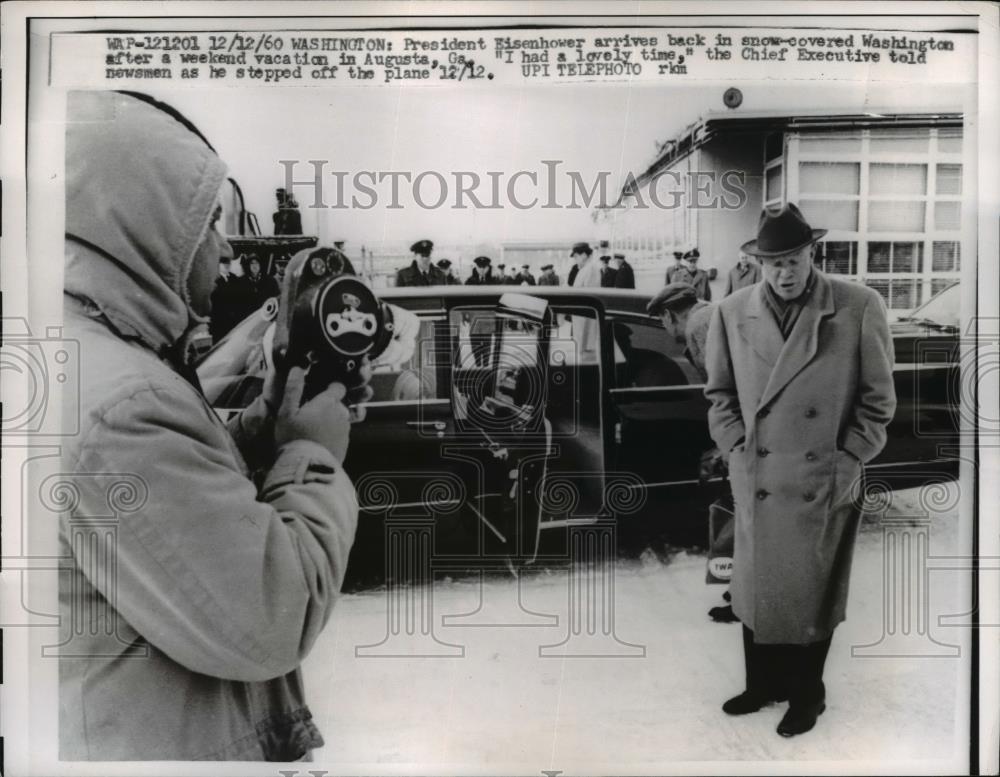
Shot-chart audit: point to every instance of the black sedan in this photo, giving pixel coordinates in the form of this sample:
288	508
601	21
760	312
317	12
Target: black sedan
520	416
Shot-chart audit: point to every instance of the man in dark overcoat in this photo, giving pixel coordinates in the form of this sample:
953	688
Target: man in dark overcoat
548	276
482	273
421	272
801	391
745	273
687	271
624	274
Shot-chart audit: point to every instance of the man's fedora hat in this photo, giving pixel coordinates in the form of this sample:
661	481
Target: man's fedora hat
546	267
781	232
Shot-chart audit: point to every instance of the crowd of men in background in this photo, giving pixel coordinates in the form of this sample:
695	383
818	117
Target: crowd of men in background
612	271
241	288
244	285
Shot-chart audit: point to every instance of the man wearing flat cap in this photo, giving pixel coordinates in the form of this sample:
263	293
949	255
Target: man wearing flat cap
548	276
686	319
801	391
686	271
421	272
482	273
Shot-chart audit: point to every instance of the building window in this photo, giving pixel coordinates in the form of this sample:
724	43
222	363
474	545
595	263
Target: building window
773	182
949	179
831	143
895	257
838	257
891	200
897	294
946	256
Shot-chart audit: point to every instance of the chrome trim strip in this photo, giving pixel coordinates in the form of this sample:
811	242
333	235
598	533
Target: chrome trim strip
685	387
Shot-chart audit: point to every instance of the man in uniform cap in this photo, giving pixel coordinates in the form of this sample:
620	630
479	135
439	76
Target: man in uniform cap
801	390
421	272
444	265
687	272
624	274
745	273
548	276
525	278
509	276
482	273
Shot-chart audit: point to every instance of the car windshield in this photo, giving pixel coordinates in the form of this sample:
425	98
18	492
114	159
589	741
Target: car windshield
942	309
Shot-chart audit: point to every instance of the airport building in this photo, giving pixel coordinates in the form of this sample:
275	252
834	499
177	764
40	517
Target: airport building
887	186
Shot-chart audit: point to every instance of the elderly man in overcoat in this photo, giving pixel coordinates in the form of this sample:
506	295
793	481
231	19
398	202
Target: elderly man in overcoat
801	390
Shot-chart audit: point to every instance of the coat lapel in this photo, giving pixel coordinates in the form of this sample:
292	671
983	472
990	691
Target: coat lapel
801	345
760	329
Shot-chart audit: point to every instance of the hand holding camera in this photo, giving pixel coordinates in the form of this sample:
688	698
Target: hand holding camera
324	419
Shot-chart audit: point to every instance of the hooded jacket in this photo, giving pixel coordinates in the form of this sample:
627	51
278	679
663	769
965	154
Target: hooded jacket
191	596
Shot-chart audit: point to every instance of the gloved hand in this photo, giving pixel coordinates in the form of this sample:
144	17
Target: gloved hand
324	419
712	465
275	383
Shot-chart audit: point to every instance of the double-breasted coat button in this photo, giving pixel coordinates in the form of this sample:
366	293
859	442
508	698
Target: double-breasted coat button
809	497
762	494
762	451
810	456
811	412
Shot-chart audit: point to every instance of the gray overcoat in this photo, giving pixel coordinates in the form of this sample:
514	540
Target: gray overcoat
810	411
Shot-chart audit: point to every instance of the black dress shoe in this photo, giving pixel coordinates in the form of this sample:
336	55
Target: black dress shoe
745	703
723	614
800	718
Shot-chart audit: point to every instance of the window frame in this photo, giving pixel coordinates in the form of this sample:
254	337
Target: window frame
865	156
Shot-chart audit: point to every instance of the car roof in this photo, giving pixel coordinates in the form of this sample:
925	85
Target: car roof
627	301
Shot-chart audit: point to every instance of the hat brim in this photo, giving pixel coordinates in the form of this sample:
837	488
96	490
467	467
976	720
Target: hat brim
750	247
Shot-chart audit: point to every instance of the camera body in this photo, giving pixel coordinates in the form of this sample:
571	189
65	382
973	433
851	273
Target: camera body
328	320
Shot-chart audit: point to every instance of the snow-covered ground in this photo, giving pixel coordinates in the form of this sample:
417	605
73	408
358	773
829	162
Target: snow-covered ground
478	697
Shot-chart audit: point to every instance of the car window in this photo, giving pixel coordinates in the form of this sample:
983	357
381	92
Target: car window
650	358
416	379
575	339
232	373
